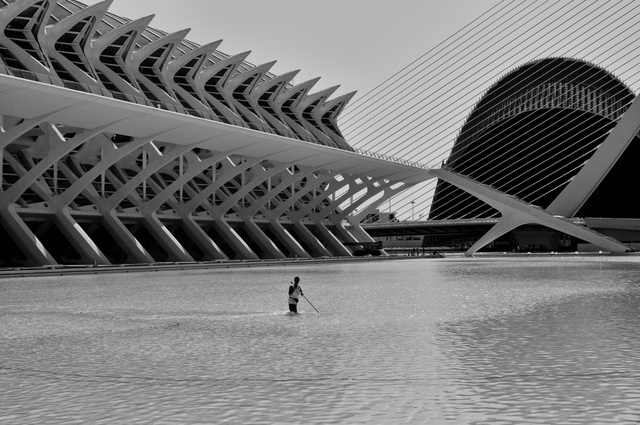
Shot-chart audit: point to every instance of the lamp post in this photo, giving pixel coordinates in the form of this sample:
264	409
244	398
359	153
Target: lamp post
412	217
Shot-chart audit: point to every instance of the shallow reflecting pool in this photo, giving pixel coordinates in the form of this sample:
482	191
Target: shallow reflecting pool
502	340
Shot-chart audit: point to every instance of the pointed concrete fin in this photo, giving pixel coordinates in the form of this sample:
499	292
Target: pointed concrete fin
342	100
325	92
109	37
241	77
278	79
55	31
238	57
303	87
309	99
176	64
139	55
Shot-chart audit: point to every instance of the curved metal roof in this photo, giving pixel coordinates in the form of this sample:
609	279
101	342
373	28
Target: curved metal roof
553	69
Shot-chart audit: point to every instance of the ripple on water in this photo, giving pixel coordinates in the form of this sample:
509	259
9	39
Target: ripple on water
452	341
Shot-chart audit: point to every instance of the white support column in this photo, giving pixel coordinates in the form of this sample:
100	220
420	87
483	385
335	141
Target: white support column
348	236
135	251
230	236
110	155
288	240
507	223
316	247
240	246
20	233
267	245
77	237
359	233
165	239
73	232
210	249
332	241
160	233
234	240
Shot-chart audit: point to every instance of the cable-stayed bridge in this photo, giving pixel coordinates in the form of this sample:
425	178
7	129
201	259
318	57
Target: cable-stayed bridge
526	115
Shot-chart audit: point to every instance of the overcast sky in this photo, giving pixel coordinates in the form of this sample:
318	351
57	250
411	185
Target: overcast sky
356	44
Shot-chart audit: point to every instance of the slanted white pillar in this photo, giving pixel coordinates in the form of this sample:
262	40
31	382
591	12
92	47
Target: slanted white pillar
518	212
234	240
156	228
288	240
316	247
332	241
210	249
230	236
77	237
136	253
576	193
507	223
29	244
165	239
270	249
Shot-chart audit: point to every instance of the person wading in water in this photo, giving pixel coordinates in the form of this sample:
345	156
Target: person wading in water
295	292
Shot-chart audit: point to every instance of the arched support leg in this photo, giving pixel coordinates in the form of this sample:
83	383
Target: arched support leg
344	233
78	238
515	209
505	225
266	244
360	234
332	241
202	240
234	240
30	245
135	251
167	241
316	247
288	240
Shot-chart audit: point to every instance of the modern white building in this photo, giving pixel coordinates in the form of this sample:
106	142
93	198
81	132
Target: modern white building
122	143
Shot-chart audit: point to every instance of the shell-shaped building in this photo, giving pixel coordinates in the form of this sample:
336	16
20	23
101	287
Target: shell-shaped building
530	135
122	143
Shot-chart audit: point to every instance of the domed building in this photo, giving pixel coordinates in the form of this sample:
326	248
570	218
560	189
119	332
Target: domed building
530	135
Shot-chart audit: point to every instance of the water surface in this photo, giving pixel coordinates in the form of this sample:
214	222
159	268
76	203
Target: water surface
462	341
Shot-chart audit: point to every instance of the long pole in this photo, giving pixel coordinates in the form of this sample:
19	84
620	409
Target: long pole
314	307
